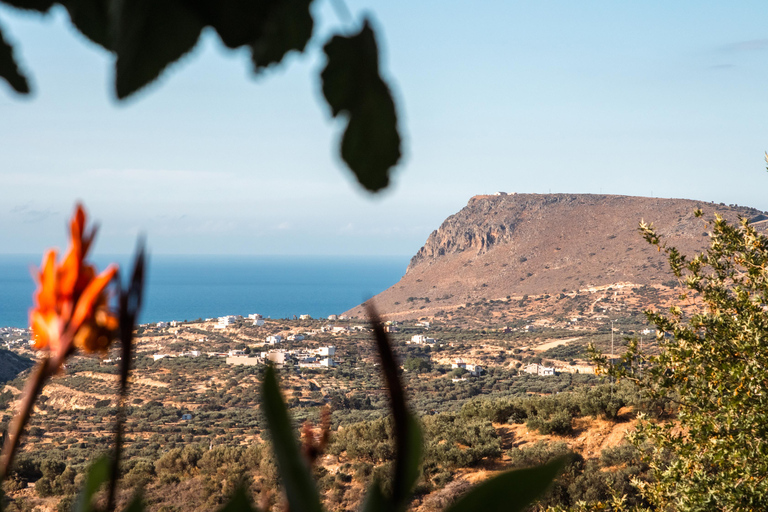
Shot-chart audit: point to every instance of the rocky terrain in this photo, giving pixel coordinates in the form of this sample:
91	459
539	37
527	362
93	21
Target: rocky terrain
508	246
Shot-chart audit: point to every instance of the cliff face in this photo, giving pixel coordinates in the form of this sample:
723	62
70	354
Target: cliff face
508	245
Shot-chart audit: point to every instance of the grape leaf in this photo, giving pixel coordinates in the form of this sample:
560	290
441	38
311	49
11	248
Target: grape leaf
91	18
353	86
148	36
288	27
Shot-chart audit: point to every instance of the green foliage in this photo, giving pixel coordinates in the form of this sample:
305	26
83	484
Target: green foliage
714	455
453	442
147	36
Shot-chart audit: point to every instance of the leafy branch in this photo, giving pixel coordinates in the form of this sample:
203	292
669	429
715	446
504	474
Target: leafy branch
147	36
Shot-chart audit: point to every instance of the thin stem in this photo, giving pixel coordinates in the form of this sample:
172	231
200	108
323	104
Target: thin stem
32	390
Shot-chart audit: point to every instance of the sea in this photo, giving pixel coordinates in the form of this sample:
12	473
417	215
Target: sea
191	287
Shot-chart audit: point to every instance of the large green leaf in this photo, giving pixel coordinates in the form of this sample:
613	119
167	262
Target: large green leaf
91	18
98	473
239	502
287	27
511	491
9	69
353	86
375	501
136	504
294	471
148	36
412	455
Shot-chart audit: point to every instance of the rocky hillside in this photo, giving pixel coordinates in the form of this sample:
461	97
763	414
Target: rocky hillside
517	244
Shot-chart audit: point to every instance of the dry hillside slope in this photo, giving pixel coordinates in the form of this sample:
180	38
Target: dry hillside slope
511	245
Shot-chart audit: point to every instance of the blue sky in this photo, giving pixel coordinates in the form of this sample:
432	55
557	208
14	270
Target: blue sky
645	98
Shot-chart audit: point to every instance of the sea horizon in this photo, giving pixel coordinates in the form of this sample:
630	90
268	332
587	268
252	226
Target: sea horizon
187	287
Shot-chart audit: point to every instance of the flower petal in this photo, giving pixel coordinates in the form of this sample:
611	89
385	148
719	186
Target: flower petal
90	297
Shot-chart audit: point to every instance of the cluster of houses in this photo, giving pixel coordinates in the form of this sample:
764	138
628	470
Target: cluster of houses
320	358
14	336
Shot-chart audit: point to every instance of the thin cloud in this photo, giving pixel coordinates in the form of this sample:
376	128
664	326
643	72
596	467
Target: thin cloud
747	46
31	215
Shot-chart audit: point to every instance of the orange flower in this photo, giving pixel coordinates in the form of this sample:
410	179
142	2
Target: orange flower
71	306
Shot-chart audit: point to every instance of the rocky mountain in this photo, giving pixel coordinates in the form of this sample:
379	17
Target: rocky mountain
517	244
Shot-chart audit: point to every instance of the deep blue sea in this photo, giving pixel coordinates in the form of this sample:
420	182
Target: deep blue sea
190	287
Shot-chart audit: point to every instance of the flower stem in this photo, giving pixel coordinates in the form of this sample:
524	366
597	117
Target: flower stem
32	390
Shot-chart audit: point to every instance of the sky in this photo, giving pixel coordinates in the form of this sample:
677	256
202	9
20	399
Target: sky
655	98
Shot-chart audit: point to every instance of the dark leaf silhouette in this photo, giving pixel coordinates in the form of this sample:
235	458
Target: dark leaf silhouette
30	5
353	86
91	18
148	36
288	27
9	69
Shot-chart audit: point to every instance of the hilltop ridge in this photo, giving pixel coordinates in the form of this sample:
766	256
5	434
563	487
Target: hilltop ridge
509	245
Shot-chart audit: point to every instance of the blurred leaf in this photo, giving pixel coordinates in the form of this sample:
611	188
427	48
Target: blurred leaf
510	491
412	455
98	473
240	502
136	504
352	86
9	69
375	501
31	5
294	472
91	18
150	35
287	27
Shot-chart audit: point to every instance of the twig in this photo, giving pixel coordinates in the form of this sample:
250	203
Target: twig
130	304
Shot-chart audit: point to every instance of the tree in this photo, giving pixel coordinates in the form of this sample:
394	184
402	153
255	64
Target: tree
146	36
711	368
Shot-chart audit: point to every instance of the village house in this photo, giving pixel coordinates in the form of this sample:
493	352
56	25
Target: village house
421	339
537	369
295	337
274	339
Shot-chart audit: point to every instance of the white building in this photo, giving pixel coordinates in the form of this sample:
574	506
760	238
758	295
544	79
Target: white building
459	363
537	369
295	337
421	339
162	324
326	351
226	321
274	339
258	322
254	316
305	317
332	317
